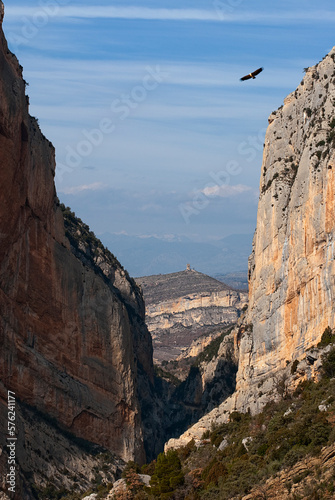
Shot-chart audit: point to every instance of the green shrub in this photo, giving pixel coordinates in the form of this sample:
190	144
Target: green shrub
213	472
185	451
327	337
294	455
328	364
211	351
262	449
167	474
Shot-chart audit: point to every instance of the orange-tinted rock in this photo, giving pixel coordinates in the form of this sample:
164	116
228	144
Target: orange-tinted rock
71	341
292	266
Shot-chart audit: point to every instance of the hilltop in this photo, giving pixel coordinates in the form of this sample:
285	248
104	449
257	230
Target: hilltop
161	287
187	310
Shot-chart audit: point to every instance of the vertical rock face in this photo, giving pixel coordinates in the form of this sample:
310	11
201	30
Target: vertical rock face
72	332
292	266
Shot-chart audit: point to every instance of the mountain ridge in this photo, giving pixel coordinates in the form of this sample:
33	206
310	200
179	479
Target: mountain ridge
186	306
172	285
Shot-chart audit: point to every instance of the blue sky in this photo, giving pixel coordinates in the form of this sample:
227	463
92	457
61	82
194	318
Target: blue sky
154	132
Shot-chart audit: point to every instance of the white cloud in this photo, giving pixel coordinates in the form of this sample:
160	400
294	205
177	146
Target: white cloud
85	187
216	14
226	191
130	12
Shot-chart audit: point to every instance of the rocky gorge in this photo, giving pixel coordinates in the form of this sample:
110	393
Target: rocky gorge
76	351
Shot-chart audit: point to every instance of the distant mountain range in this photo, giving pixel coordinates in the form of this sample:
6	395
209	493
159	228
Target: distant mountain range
147	256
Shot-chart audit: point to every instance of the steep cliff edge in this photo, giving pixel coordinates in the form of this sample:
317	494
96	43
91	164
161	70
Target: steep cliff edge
74	345
292	266
184	306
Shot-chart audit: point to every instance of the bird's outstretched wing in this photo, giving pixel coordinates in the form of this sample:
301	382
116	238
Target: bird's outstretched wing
252	75
257	71
246	77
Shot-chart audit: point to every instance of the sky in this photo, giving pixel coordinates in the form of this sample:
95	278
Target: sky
155	134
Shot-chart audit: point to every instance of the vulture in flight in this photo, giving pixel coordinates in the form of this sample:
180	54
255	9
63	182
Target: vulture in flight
252	75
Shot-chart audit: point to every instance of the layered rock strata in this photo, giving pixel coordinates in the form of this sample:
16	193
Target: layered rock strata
180	307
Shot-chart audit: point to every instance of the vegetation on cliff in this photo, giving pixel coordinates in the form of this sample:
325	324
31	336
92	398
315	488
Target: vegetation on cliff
235	457
87	246
238	457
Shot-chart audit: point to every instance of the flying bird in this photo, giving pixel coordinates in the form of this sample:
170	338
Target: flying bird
252	75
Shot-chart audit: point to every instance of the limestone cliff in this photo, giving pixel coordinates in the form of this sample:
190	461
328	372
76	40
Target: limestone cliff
74	345
292	266
183	306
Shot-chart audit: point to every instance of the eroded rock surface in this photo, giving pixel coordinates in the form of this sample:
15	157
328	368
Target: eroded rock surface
184	306
74	344
292	266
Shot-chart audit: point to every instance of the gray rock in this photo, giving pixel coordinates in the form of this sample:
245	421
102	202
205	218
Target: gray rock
223	444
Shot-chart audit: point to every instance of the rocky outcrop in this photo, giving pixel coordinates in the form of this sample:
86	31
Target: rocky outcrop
211	380
180	307
74	345
303	480
198	345
292	266
52	457
212	377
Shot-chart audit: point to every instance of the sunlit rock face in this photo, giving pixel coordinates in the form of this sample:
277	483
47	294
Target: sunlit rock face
292	265
72	331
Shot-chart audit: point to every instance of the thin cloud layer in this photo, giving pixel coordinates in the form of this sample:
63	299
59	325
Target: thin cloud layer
85	187
180	154
226	191
216	14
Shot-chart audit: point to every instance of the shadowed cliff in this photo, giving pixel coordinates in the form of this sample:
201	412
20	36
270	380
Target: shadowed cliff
75	349
74	344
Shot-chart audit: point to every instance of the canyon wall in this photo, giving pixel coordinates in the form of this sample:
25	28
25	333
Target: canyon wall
292	265
74	345
202	309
